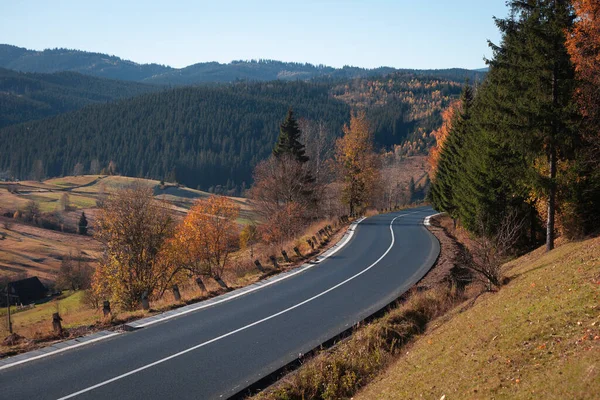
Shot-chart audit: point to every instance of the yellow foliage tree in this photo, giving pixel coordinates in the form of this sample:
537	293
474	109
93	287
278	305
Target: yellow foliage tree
207	236
357	161
133	227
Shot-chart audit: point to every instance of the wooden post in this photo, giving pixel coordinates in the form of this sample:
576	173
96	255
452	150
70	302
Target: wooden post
176	293
10	330
200	284
221	282
145	302
106	307
297	251
56	324
310	243
259	266
315	240
274	261
285	256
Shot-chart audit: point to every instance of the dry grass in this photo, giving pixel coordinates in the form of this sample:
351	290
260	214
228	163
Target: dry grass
538	337
38	252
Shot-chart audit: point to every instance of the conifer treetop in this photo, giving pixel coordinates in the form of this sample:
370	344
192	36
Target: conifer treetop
288	142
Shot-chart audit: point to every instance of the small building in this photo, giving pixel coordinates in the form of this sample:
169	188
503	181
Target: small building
24	291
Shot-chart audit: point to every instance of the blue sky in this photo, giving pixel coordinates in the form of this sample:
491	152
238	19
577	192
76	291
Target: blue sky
396	33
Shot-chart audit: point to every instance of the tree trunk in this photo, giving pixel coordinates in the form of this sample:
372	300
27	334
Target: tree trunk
551	200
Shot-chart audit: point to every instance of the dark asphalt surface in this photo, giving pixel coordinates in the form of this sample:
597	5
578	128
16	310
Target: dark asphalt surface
226	365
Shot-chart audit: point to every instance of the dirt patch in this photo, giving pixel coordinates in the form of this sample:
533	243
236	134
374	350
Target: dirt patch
449	267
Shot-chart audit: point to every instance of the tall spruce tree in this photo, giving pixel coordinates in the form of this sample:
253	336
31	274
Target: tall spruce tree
288	142
534	81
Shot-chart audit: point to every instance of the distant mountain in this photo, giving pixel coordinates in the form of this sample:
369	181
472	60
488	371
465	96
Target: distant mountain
106	66
95	64
30	96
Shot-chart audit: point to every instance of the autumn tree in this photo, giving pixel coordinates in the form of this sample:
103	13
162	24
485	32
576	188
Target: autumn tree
74	273
583	44
249	237
64	202
78	169
282	197
357	162
133	227
319	147
441	135
207	236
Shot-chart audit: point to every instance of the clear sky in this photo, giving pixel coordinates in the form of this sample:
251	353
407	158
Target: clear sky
365	33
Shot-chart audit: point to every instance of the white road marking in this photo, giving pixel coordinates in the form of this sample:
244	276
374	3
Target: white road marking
60	350
162	360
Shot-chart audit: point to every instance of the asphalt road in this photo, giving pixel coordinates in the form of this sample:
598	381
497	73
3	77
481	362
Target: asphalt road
215	352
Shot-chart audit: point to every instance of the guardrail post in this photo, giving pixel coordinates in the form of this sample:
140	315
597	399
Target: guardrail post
285	256
259	266
297	251
310	243
200	284
56	323
106	307
145	302
274	261
176	293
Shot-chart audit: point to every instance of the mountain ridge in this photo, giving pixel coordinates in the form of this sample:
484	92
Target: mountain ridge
113	67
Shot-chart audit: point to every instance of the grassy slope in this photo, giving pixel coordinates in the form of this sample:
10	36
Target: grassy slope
37	252
539	337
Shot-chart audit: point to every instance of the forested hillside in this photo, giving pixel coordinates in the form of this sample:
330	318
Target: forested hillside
208	136
103	65
30	96
519	155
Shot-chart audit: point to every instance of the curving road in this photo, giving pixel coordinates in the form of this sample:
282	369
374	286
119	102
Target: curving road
215	352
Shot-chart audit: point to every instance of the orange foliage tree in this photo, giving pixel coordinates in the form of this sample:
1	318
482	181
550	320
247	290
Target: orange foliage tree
583	44
133	227
204	241
282	197
357	161
441	135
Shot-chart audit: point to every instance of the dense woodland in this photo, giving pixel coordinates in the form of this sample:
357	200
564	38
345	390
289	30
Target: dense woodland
30	96
520	154
210	137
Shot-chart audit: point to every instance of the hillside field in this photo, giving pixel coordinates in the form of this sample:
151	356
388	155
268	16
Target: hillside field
33	251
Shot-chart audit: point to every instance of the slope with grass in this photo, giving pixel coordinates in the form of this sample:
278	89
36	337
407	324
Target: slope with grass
538	337
33	251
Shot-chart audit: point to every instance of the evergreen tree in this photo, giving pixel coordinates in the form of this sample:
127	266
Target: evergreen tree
83	223
534	79
451	157
288	142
